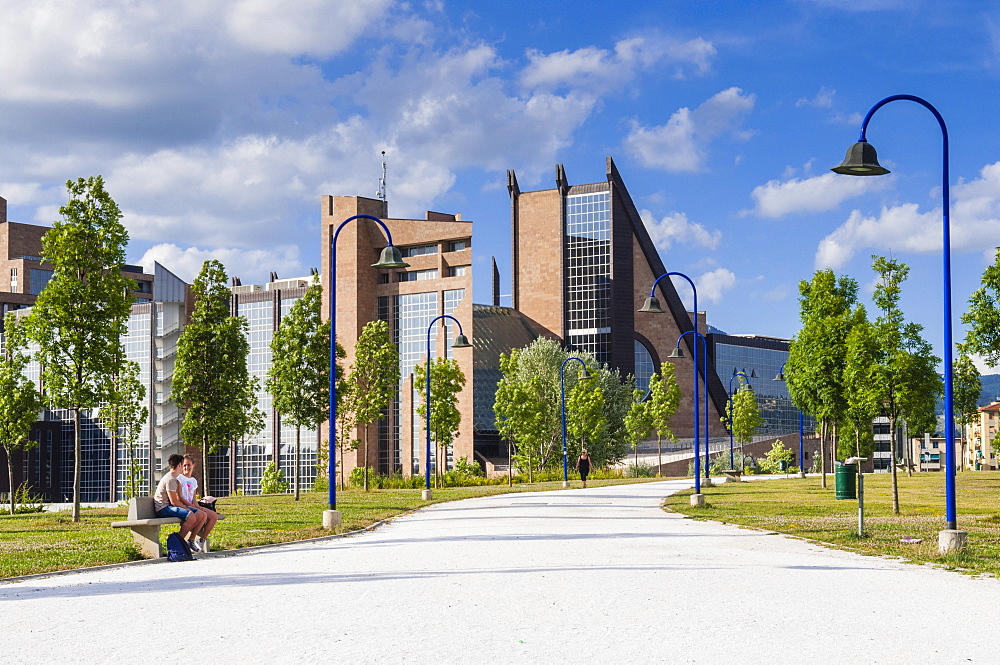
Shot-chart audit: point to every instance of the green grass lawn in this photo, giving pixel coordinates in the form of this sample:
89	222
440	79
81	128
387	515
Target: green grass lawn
44	542
801	507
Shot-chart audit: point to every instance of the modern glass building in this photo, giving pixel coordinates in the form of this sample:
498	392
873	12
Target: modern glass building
760	359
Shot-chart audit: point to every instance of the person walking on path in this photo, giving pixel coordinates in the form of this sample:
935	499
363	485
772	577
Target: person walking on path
583	466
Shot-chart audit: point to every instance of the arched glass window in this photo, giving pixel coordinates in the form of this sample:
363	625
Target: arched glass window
643	366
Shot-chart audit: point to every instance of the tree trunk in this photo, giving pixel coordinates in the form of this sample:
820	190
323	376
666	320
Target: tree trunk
113	454
204	466
906	450
510	465
822	452
10	475
892	462
77	458
298	456
367	489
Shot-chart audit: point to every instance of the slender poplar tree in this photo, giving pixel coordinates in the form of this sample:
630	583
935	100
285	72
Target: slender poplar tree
447	381
19	398
816	356
664	400
82	312
124	416
374	378
299	378
211	380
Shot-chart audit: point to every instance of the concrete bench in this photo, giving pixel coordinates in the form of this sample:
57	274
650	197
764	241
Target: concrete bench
733	475
145	526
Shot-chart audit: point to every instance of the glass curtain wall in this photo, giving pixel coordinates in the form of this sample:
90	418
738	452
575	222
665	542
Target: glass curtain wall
588	273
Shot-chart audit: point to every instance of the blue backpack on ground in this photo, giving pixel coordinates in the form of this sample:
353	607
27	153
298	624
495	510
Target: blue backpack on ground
177	549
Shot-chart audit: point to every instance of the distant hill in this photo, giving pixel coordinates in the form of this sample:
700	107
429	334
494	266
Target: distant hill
991	389
990	392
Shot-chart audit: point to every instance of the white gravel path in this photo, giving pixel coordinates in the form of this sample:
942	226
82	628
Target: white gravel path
600	575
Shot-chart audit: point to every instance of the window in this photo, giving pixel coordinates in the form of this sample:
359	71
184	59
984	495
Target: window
587	252
37	279
417	275
458	271
643	366
457	245
418	250
144	287
13	280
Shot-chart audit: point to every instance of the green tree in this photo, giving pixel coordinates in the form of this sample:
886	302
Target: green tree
816	357
664	400
862	355
967	387
983	317
639	424
82	312
273	481
585	420
299	377
901	381
19	398
211	379
447	381
374	378
528	403
521	418
528	406
124	415
744	413
613	445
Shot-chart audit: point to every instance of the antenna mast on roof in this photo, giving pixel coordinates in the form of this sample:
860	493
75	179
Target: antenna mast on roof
380	194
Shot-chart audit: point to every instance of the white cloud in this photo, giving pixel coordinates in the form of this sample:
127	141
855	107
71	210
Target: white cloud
712	285
676	227
186	262
825	192
600	70
975	214
682	143
822	100
314	27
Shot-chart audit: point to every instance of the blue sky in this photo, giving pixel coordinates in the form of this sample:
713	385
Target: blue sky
219	125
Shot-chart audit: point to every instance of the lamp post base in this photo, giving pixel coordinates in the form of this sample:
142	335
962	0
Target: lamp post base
951	540
802	474
427	495
332	519
565	483
707	482
697	500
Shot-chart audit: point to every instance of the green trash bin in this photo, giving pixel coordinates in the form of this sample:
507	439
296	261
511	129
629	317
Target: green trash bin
846	480
783	466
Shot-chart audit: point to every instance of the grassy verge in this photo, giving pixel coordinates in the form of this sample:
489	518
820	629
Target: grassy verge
800	507
45	542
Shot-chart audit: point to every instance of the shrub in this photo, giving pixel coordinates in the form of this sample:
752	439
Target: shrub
639	471
273	481
25	501
774	457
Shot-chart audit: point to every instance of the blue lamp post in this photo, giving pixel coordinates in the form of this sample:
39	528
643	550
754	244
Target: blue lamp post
746	380
652	305
584	375
679	353
862	160
390	259
461	342
780	376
